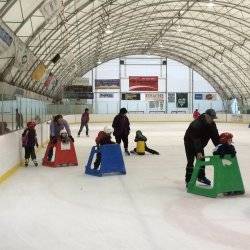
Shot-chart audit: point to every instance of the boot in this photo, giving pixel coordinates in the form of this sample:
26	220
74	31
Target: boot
188	175
204	180
126	151
26	162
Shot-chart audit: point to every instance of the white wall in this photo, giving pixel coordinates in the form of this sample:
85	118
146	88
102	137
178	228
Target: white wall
12	152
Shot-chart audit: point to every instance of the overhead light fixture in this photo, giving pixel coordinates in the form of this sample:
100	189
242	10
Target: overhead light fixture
161	44
108	30
179	29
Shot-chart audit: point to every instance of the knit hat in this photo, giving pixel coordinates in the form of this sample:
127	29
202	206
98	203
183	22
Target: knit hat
123	111
224	137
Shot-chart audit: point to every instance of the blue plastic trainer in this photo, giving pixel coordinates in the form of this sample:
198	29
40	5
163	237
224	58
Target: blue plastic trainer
111	160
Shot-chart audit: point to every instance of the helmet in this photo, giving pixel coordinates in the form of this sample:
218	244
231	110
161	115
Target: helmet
224	137
108	130
31	124
64	136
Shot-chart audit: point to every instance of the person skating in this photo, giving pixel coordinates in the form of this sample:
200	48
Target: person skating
84	122
57	124
199	132
103	137
121	127
196	114
141	145
29	141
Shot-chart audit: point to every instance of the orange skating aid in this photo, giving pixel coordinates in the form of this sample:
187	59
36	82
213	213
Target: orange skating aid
65	155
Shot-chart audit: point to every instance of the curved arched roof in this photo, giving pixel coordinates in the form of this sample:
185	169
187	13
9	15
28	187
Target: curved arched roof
210	36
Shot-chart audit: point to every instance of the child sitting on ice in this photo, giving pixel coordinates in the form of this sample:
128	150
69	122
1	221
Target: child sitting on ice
141	145
29	141
225	146
103	137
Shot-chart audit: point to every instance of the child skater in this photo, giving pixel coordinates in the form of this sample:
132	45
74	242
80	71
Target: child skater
29	141
141	145
225	146
103	137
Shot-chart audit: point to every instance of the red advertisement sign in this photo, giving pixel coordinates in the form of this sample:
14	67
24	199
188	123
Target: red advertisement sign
143	83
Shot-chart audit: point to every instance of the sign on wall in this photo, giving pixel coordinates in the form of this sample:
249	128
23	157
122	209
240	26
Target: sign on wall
143	83
154	96
198	96
171	97
106	95
181	100
209	96
78	92
131	96
107	83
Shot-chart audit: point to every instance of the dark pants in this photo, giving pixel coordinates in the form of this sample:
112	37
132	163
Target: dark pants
30	152
97	160
81	127
52	144
123	138
191	154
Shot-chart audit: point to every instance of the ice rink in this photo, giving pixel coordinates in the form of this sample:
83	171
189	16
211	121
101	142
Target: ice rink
147	209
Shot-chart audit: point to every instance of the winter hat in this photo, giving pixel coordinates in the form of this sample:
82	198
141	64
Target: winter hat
211	113
224	137
31	124
138	133
123	111
108	130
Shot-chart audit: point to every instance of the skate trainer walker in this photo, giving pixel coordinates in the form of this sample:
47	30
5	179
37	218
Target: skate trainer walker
227	177
111	160
65	155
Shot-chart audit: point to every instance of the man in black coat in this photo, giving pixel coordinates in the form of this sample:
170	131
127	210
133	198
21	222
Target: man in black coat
199	132
122	128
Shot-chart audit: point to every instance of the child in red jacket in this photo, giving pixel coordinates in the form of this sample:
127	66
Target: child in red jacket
84	122
103	137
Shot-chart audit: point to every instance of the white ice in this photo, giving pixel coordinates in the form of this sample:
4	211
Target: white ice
147	209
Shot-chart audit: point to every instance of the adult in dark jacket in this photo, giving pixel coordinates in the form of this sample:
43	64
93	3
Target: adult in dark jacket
122	128
199	132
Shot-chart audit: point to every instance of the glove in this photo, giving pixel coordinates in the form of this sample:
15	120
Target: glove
71	138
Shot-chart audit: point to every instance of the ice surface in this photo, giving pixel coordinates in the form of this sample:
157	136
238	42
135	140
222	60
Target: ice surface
62	208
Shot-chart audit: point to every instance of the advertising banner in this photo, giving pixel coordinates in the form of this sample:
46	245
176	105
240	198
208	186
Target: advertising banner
171	97
50	9
209	96
143	83
5	39
107	83
24	58
198	96
181	100
78	92
154	96
106	95
49	80
131	96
